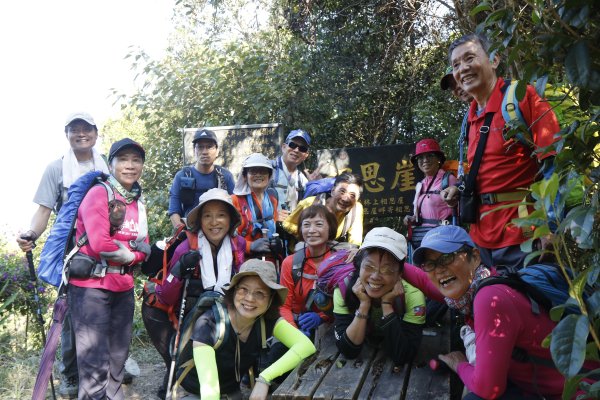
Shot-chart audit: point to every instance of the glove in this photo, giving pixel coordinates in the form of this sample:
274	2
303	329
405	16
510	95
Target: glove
309	321
144	248
185	266
122	256
276	245
468	336
260	246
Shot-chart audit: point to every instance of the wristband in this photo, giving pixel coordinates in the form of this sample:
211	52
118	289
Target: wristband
263	380
359	315
386	302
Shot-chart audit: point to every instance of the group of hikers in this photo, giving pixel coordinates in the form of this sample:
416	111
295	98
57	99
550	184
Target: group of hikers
255	247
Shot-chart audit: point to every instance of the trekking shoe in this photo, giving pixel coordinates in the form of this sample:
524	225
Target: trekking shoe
68	388
132	369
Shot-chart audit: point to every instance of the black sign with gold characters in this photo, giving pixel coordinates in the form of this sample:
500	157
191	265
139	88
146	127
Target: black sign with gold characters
389	176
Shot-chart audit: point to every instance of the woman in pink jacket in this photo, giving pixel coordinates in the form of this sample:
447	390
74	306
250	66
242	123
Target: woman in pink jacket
100	290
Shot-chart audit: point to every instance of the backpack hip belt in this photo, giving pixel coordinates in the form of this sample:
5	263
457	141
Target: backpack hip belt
434	221
493	198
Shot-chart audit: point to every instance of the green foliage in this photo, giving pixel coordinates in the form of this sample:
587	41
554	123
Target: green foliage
557	42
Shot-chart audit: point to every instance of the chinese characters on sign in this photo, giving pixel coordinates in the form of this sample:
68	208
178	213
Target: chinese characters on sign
389	176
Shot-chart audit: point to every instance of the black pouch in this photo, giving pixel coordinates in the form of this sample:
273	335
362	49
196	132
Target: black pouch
82	266
187	190
468	207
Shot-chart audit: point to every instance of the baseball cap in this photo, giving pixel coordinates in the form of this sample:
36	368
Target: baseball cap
124	144
214	194
205	134
298	133
447	79
386	239
80	115
265	270
444	239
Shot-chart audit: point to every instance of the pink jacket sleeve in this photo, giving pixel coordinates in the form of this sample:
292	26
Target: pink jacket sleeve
419	279
497	325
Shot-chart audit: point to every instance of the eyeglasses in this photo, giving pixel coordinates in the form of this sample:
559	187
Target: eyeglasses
257	295
428	156
294	146
81	129
442	261
384	270
259	171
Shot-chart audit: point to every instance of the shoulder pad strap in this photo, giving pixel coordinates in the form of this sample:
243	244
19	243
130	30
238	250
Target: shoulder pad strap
222	323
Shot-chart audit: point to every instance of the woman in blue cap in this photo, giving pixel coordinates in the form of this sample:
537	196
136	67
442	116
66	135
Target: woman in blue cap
450	269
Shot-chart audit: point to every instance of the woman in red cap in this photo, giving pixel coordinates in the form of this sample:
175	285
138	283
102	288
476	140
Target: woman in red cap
430	210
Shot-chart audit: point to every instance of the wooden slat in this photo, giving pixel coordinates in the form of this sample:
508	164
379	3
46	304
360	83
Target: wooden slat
303	381
424	383
345	377
382	382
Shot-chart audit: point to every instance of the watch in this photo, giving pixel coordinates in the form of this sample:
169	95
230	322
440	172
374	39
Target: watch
359	315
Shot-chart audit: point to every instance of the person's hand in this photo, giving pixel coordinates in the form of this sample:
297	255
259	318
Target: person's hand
351	254
359	290
276	246
450	195
186	265
409	219
397	290
453	359
282	215
260	246
309	321
260	391
122	255
27	240
144	248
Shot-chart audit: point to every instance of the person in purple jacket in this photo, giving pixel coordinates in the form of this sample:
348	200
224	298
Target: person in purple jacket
209	264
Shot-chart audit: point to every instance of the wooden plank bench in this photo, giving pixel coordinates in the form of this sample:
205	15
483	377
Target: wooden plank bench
328	375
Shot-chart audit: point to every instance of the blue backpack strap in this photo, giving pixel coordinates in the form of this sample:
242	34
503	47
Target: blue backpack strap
445	180
511	112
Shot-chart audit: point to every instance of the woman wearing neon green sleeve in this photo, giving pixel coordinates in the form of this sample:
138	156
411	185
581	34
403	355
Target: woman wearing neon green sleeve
253	299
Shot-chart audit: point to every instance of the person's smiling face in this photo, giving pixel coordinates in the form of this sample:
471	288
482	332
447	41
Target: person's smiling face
315	231
215	221
452	273
82	136
252	297
258	178
379	272
127	167
473	70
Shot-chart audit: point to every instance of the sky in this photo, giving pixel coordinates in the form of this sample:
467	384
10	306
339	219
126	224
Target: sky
59	57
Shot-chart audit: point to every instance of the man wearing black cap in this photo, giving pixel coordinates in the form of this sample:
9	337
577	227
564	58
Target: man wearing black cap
191	181
81	132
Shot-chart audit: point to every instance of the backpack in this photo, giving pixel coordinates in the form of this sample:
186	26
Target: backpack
247	222
546	287
277	167
187	184
333	272
319	186
60	245
185	371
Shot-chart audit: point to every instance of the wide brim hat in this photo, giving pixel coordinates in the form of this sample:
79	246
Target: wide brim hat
253	160
265	270
386	239
123	144
428	146
443	239
215	194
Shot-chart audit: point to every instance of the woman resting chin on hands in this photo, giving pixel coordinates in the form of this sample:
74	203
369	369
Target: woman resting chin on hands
380	305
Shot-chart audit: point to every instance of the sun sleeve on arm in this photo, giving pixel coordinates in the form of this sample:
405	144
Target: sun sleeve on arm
299	347
208	375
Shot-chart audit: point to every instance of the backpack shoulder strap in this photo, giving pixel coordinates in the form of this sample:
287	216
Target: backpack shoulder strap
192	238
511	112
349	220
297	264
445	180
222	323
220	178
512	280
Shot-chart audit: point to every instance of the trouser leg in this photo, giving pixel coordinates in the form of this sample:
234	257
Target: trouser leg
160	330
121	322
69	354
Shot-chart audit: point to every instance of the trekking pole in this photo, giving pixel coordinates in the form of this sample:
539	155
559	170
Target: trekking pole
265	233
176	341
36	299
276	236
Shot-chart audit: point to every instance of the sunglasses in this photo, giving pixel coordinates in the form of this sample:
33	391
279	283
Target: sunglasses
294	146
442	261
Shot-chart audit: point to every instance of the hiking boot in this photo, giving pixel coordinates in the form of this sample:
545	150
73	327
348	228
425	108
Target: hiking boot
132	369
68	387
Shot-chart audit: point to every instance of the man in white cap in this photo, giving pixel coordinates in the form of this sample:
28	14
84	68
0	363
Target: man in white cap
81	132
